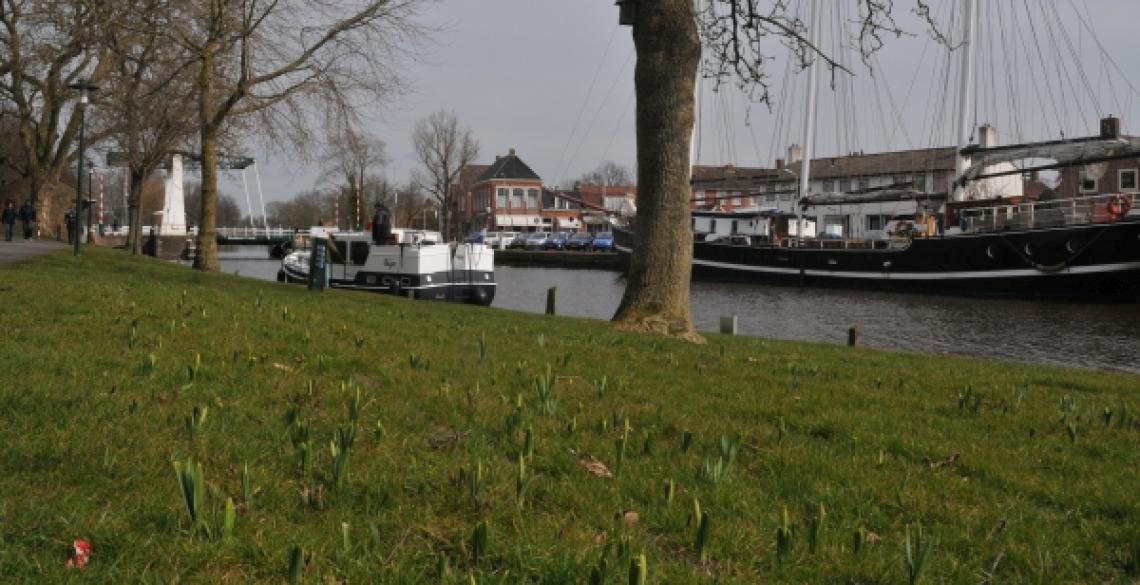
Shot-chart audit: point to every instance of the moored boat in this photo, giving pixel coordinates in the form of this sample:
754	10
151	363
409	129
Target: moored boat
414	263
1070	248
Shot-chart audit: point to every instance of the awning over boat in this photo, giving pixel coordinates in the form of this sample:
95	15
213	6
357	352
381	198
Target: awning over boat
1073	152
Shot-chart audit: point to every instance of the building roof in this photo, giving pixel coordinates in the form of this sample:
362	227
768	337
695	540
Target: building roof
470	173
854	165
509	167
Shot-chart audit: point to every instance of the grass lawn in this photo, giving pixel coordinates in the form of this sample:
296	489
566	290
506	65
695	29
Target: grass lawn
362	438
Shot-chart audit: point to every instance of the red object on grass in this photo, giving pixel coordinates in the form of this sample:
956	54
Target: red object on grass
80	554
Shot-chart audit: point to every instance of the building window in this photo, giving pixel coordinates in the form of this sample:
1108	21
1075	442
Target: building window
845	185
1128	180
517	199
501	198
532	198
1088	185
877	222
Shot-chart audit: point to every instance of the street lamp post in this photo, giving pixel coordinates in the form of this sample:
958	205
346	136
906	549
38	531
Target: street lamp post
85	87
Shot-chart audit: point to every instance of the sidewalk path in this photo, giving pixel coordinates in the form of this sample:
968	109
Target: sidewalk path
17	249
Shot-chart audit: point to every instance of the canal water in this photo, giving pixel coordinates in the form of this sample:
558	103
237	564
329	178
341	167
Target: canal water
1092	335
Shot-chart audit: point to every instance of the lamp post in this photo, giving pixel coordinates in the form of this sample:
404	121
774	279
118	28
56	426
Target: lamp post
85	87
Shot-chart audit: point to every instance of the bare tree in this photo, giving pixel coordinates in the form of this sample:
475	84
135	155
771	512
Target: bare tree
667	37
306	209
444	149
229	210
347	161
264	61
608	173
44	47
149	105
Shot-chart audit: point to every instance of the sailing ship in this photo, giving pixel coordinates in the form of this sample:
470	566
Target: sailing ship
982	235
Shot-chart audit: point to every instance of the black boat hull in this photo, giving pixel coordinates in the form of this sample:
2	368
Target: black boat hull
1100	261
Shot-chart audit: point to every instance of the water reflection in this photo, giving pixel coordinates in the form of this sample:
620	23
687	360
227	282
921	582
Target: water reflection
1103	336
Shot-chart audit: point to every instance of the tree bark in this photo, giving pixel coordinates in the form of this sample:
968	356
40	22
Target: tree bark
206	258
668	49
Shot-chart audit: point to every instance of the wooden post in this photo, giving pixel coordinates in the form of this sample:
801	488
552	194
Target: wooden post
551	294
853	337
728	324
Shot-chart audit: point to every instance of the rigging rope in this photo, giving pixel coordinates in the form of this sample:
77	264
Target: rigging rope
589	92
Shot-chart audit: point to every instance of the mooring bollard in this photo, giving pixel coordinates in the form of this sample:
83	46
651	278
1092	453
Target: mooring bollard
728	324
853	337
411	294
551	294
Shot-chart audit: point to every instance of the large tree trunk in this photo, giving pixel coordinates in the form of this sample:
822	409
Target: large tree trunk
206	259
668	52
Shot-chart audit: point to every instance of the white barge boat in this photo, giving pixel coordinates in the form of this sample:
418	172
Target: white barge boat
412	263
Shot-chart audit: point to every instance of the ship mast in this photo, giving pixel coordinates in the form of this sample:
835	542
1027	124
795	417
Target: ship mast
965	88
809	119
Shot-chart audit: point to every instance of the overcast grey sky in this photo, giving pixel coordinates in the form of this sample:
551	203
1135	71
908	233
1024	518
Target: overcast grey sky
554	80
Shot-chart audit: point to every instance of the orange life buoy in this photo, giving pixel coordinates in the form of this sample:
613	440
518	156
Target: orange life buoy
1118	206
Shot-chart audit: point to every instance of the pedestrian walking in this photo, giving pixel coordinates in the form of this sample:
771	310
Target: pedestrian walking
69	222
28	218
9	220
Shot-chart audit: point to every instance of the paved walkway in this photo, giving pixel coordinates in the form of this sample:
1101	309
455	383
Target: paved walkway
18	249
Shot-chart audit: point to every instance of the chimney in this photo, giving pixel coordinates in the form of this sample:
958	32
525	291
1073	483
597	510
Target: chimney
512	151
794	154
1110	127
780	164
987	136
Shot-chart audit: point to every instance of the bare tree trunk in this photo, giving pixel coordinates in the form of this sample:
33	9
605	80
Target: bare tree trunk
668	52
206	259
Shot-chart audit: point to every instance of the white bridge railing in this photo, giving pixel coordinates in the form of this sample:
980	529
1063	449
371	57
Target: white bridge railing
253	233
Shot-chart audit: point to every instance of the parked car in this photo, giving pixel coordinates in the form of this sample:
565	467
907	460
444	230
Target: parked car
519	242
604	242
556	241
477	238
506	239
580	241
536	240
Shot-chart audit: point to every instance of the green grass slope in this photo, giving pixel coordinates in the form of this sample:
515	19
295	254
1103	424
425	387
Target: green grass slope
361	438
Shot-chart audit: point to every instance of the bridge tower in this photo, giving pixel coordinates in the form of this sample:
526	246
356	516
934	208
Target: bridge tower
174	205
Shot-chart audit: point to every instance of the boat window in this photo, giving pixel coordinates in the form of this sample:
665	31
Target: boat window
844	185
358	253
920	183
1088	185
712	226
1128	180
828	186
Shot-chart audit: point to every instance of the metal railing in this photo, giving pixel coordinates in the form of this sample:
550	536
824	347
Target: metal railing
256	232
1056	213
